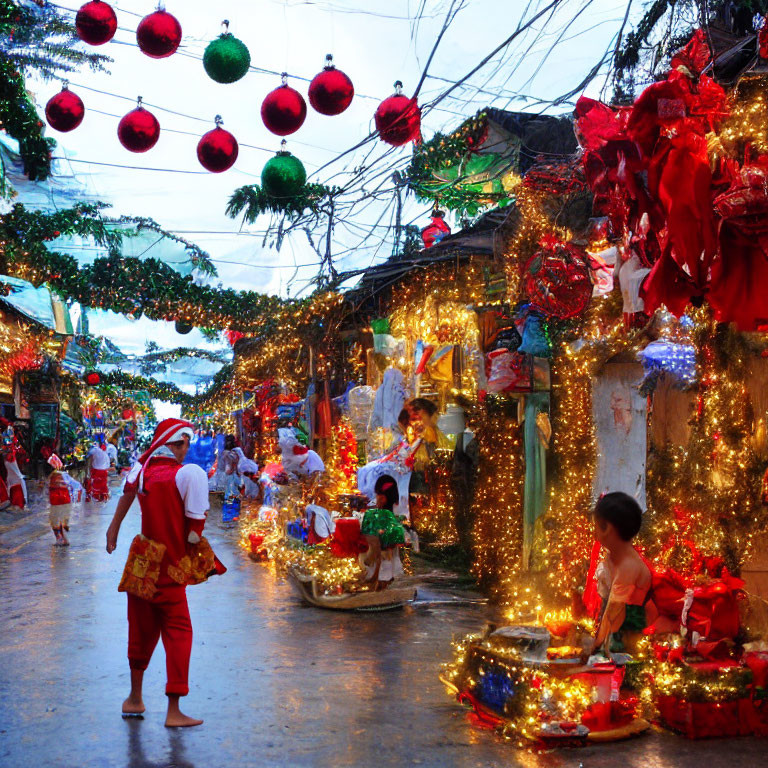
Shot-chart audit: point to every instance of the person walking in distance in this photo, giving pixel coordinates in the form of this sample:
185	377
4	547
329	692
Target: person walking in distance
174	502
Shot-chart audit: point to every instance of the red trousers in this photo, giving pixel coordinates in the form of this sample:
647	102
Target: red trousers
100	484
166	614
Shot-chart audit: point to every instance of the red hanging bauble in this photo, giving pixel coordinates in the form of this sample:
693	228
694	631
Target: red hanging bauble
556	279
331	91
398	118
218	149
96	23
65	110
159	34
284	109
93	378
433	233
139	130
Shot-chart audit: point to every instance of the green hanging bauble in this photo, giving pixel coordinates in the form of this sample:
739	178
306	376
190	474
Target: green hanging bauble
226	59
283	175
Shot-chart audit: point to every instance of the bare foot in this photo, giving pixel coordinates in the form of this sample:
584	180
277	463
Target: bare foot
133	707
180	720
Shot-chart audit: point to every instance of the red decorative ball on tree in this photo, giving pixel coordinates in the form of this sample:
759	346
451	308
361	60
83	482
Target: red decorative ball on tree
284	109
218	149
398	118
93	378
159	34
556	279
96	23
139	130
331	91
65	110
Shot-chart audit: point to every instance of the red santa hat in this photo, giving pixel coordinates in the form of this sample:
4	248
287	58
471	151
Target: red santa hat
167	431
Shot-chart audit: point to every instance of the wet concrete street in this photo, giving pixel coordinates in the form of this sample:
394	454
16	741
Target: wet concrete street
278	683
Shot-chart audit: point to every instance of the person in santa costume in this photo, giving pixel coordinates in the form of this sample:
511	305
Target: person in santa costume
16	487
174	503
63	491
98	472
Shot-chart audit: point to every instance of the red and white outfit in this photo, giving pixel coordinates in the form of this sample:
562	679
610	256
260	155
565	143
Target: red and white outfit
99	473
60	499
174	502
16	485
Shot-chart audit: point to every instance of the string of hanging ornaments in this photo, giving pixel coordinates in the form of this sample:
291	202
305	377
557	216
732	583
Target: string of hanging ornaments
227	60
158	34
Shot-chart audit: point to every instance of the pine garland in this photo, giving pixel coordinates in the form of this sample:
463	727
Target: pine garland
444	151
252	201
126	285
173	355
19	119
164	390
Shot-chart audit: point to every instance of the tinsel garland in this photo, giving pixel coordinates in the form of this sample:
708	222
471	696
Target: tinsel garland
129	285
445	151
253	200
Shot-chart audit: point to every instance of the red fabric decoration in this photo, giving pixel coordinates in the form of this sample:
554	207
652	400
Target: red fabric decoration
217	150
96	23
714	613
283	110
159	34
347	539
649	171
139	130
758	662
762	38
591	598
740	273
604	716
433	233
557	280
330	91
65	110
596	123
398	119
695	55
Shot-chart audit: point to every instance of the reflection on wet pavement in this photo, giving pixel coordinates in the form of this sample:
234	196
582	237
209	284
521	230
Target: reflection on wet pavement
278	683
